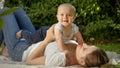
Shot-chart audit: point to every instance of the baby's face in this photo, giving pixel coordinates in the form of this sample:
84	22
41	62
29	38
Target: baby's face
65	15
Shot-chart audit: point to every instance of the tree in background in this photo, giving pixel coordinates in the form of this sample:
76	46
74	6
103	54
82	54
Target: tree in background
97	19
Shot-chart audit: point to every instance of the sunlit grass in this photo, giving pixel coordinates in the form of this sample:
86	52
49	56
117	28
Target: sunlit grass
114	47
110	47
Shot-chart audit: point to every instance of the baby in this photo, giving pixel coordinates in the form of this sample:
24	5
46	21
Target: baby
65	30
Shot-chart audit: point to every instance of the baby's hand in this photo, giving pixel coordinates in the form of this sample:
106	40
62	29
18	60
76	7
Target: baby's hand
18	34
84	44
69	57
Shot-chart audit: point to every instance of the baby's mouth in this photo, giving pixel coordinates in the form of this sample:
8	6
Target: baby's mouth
65	21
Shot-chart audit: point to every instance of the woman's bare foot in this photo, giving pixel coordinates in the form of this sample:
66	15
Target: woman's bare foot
4	52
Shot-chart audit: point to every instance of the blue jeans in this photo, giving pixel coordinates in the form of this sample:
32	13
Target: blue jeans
13	23
1	37
34	37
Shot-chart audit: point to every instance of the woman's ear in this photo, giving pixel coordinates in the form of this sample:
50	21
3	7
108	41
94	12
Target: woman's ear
82	62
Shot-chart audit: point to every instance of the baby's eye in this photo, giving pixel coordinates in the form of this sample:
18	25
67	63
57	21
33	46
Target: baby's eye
61	14
70	15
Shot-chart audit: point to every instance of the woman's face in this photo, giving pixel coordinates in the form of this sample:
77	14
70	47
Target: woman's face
82	51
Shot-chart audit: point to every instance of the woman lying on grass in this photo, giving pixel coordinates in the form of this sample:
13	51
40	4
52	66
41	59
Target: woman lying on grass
36	47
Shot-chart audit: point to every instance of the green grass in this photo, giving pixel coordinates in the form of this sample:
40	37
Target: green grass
114	47
110	47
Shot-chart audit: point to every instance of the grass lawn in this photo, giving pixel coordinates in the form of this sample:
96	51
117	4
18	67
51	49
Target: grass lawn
110	47
115	47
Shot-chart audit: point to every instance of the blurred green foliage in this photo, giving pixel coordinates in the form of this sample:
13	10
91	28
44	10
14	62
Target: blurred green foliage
97	19
5	12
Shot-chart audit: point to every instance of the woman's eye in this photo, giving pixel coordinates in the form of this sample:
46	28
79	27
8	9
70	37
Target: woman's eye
84	49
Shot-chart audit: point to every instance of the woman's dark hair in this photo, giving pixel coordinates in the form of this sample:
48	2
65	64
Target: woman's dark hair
96	59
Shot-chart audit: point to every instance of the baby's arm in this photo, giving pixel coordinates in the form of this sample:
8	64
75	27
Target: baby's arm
59	39
79	38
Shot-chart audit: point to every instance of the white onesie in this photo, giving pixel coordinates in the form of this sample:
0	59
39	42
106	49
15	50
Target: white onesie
75	29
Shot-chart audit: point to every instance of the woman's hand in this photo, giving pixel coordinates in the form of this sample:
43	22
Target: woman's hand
69	58
50	34
18	34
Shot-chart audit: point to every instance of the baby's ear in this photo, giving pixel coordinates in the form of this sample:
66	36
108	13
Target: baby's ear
75	17
57	15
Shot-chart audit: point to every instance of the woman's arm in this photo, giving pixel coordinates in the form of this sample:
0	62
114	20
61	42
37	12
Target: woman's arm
37	56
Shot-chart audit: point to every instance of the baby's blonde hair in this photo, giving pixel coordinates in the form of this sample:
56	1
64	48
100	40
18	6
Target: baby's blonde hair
68	5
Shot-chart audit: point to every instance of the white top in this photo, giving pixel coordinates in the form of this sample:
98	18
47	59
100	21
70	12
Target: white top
53	56
75	29
30	50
